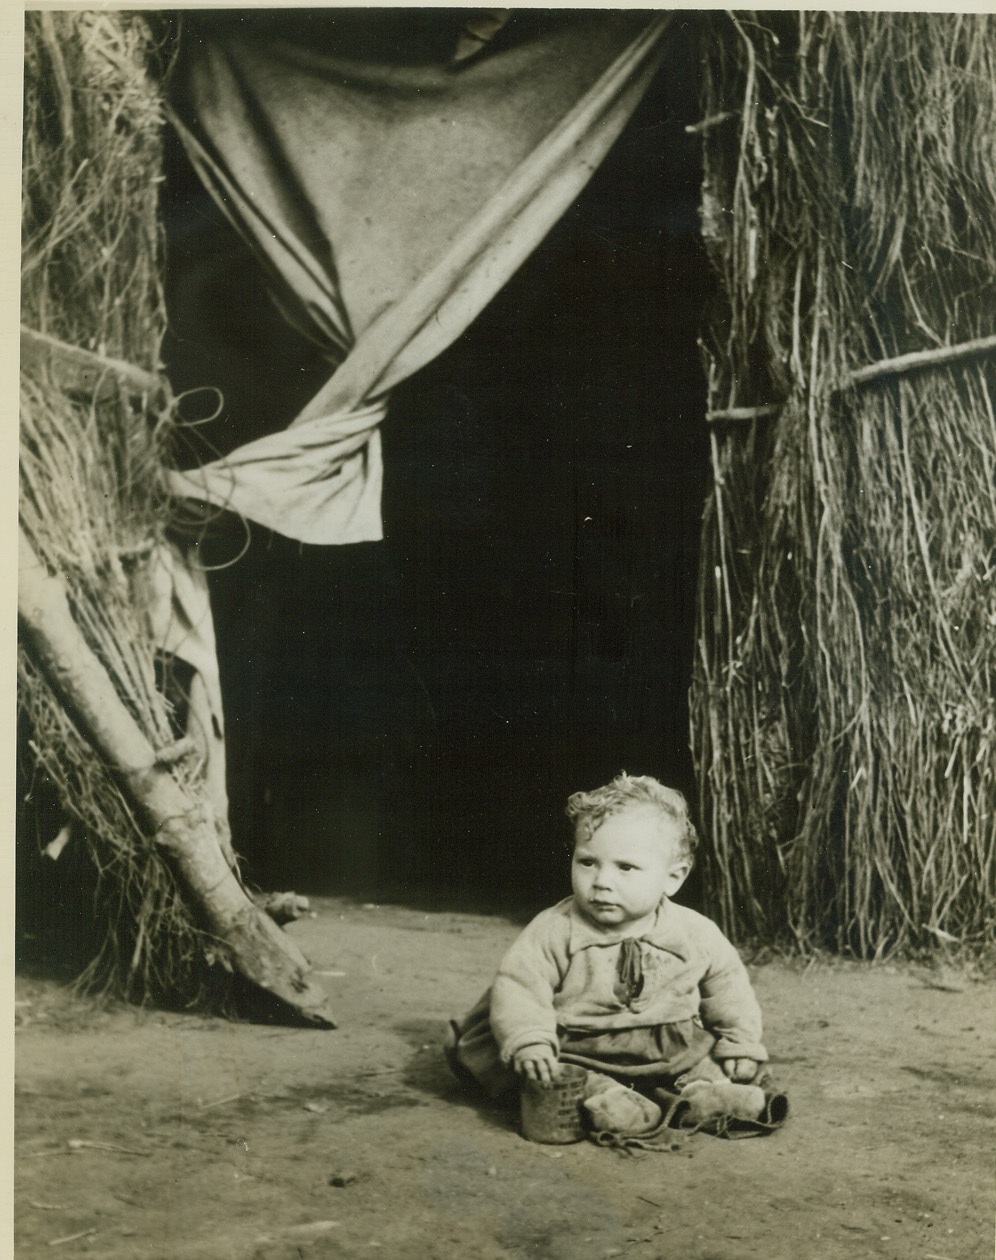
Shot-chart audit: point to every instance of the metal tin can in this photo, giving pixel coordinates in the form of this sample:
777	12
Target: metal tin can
552	1113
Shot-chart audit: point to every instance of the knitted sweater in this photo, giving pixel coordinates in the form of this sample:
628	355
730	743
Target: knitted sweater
565	972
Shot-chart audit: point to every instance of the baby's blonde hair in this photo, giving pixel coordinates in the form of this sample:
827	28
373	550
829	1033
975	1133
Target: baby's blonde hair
627	792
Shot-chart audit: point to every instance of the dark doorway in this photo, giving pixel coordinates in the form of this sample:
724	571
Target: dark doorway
409	716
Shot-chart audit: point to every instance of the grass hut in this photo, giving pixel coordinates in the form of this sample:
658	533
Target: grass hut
844	717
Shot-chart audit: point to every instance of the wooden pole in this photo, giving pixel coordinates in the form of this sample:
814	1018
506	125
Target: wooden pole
182	825
919	359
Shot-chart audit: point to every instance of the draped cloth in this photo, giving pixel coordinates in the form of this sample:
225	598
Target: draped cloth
387	203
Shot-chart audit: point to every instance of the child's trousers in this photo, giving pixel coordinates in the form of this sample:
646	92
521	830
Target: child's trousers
640	1057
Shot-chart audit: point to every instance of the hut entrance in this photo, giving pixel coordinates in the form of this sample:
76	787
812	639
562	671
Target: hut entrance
412	712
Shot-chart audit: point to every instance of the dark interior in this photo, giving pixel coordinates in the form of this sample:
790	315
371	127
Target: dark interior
408	717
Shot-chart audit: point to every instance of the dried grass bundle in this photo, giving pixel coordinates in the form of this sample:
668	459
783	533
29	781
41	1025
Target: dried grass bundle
845	693
93	500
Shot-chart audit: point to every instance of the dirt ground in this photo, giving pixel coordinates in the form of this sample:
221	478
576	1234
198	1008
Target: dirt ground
179	1137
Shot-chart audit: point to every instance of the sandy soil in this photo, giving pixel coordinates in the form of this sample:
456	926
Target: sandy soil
179	1137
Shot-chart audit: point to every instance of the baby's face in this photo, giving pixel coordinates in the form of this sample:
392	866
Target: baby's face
620	873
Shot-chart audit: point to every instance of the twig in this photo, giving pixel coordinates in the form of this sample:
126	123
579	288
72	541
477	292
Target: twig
178	751
81	1144
82	368
743	413
84	1233
220	1102
922	359
714	120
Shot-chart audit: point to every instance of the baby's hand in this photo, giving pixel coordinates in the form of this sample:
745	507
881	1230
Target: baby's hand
537	1063
740	1069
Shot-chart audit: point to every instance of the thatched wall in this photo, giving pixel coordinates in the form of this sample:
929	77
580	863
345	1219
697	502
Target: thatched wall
93	436
845	697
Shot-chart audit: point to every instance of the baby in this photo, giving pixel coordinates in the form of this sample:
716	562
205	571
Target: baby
617	977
